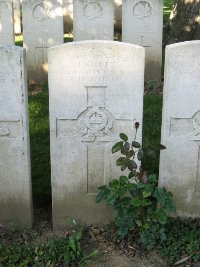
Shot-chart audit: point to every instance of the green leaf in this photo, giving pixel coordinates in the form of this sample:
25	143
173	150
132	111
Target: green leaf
132	174
67	258
123	136
152	178
149	188
123	231
78	235
124	166
123	180
125	148
117	147
100	196
114	183
130	154
103	187
146	194
136	144
161	216
160	195
93	253
140	154
121	161
72	244
132	165
112	196
136	202
141	185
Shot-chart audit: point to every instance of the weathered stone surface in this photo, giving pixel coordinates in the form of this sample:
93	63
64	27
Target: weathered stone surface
68	14
93	20
42	28
15	179
6	23
180	162
96	92
17	16
142	24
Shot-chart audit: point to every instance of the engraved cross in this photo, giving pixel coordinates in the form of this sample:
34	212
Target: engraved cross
189	127
95	127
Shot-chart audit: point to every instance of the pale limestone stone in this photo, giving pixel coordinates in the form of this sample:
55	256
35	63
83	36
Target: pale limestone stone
68	14
180	162
17	16
142	24
93	20
42	28
15	178
96	92
6	23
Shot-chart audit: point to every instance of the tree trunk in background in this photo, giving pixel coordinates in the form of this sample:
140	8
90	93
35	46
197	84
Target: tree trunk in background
184	22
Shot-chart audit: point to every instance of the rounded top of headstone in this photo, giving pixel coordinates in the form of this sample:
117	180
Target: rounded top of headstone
96	43
183	44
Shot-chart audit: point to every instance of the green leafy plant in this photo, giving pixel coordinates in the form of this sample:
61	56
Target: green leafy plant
183	241
63	251
138	202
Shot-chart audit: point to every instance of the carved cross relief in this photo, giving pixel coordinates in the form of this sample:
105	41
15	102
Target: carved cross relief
142	42
189	127
96	127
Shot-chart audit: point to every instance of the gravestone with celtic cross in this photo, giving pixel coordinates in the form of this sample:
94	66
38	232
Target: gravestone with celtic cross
96	92
93	20
6	23
15	178
42	28
142	24
180	162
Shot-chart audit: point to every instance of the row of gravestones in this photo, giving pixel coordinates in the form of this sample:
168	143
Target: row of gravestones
92	20
96	92
67	13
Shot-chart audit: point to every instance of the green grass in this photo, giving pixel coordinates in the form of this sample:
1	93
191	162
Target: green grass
152	128
40	142
167	8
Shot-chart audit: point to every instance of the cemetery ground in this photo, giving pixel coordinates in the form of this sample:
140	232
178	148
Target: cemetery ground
42	247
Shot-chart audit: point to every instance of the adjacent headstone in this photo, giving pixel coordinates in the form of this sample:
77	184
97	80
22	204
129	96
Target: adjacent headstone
118	15
93	20
142	24
68	15
42	28
180	162
15	180
96	92
17	16
6	23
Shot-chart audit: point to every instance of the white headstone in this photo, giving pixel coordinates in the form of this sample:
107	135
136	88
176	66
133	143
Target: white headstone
142	24
96	92
15	178
6	23
17	16
42	28
180	162
68	15
93	20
